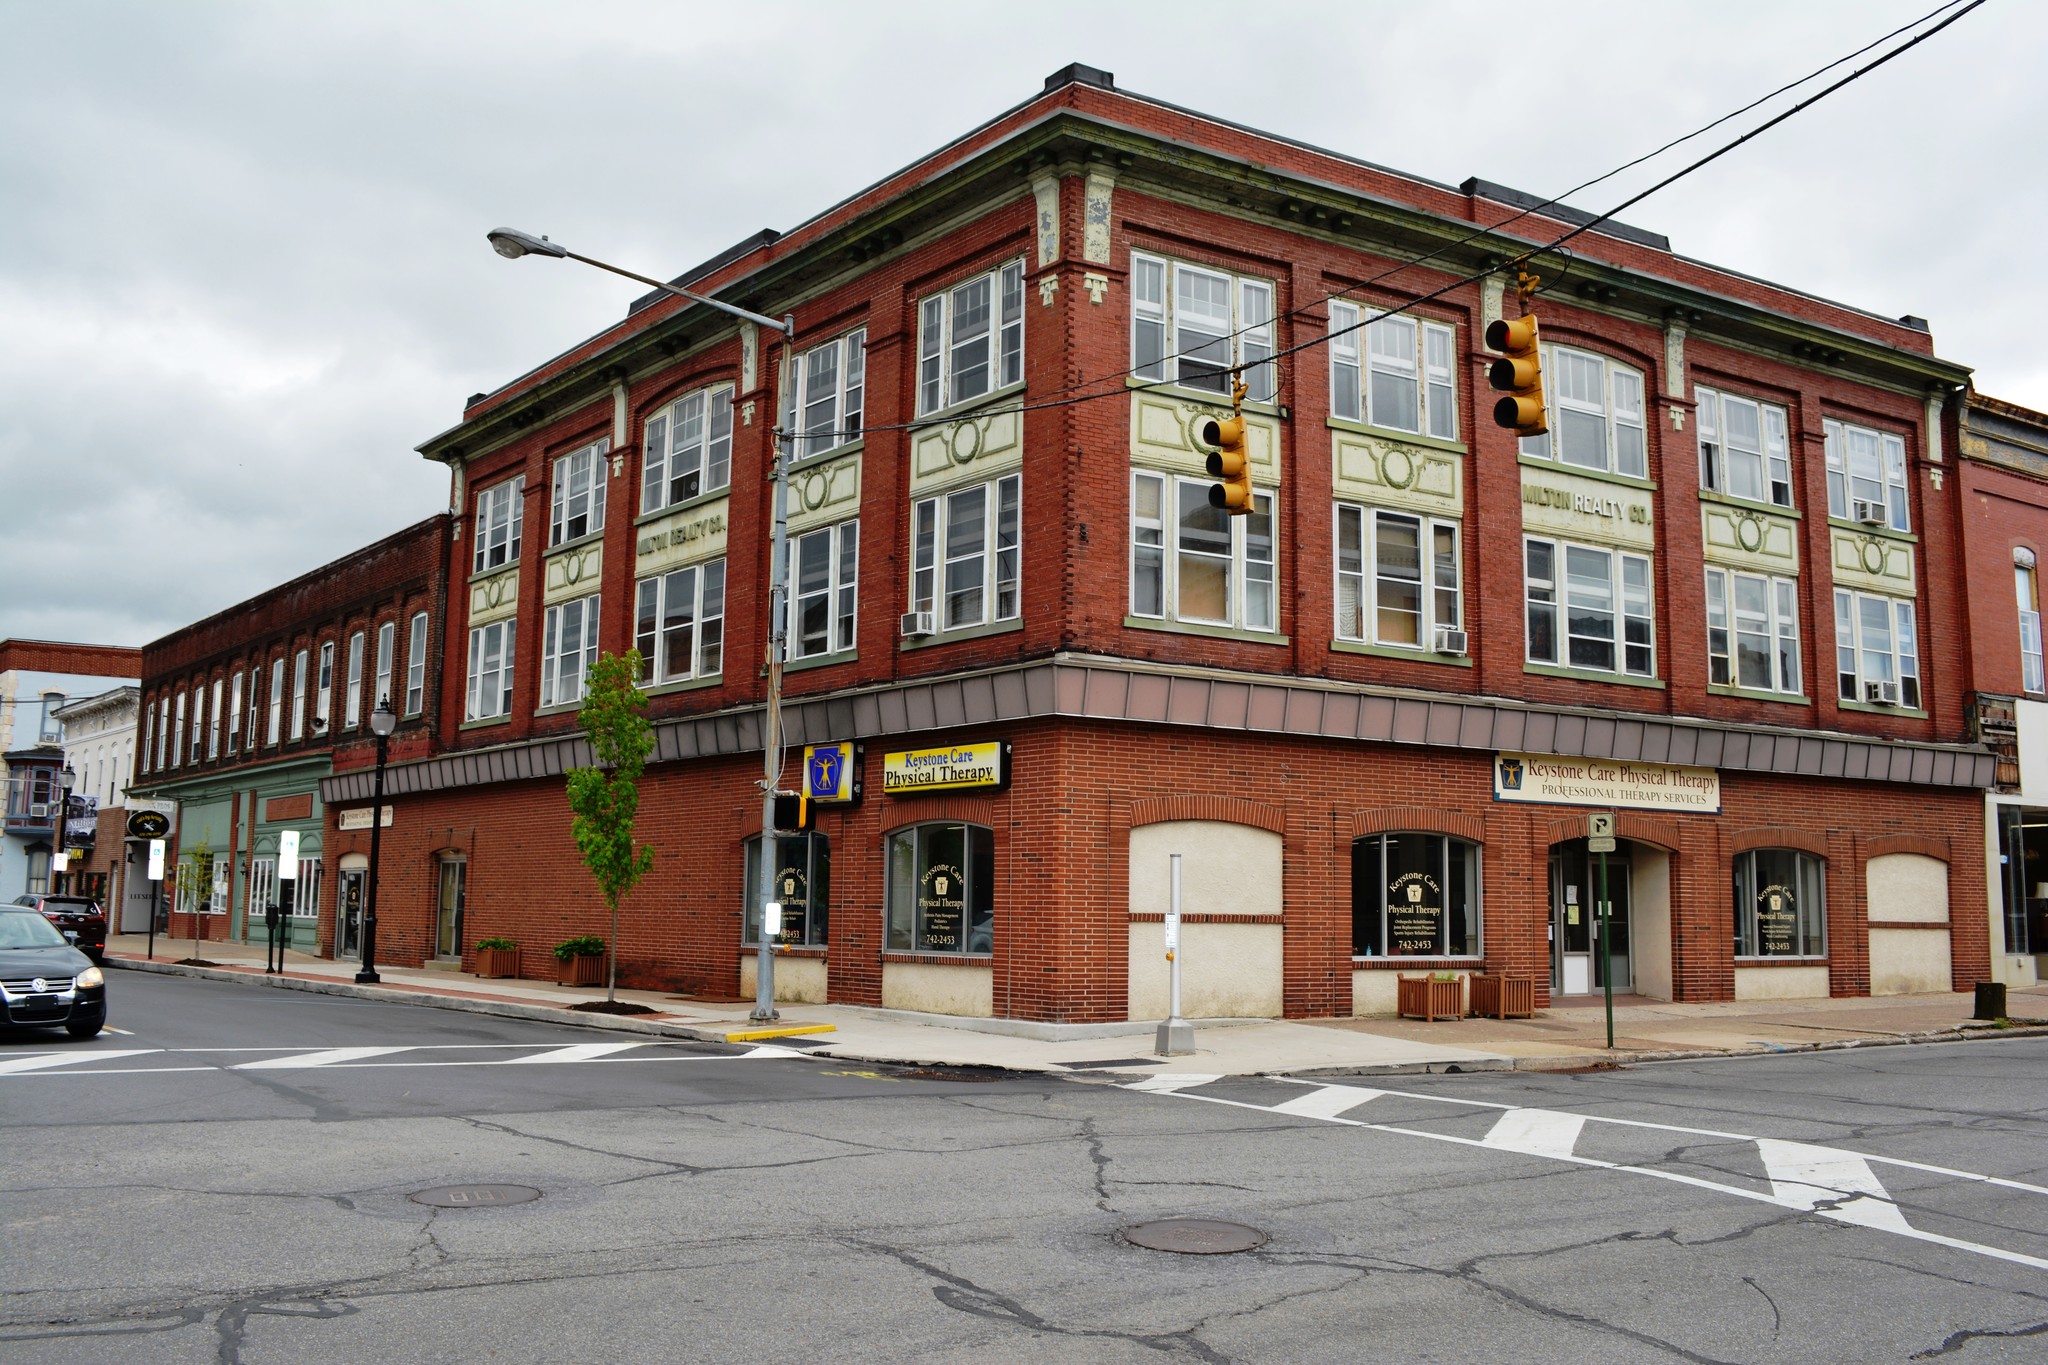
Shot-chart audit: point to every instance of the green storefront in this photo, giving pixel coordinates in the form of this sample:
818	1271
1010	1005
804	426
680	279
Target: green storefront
242	819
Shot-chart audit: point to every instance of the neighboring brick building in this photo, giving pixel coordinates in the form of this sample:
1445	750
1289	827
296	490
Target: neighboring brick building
245	712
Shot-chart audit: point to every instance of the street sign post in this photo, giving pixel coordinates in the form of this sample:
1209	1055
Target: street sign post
1600	841
156	875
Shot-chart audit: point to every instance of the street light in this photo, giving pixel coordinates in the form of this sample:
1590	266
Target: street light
382	723
66	780
511	243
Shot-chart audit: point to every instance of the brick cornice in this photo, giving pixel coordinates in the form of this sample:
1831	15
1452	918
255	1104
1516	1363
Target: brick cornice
1927	845
1812	841
1633	825
1228	810
1427	819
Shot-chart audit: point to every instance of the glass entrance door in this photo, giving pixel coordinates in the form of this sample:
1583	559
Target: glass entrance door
448	908
1575	957
348	901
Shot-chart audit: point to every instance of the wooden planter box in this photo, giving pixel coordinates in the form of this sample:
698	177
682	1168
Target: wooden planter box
1421	997
497	962
584	969
1503	997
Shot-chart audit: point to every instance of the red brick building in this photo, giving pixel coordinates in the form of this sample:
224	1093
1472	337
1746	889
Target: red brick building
1370	718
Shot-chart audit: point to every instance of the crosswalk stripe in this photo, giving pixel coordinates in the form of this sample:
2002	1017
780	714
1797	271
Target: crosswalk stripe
1327	1102
14	1066
1166	1082
576	1052
327	1057
1831	1182
1537	1132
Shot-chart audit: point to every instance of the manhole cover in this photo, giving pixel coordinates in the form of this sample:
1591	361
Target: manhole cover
475	1196
1194	1236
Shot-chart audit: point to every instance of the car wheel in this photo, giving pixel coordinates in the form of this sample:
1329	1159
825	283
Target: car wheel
85	1028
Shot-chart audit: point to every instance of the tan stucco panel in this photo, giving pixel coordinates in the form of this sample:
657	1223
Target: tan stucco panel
1227	971
1781	983
1225	869
1376	995
969	989
798	980
1908	961
1907	886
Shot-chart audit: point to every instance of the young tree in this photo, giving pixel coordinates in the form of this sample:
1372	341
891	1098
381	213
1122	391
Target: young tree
604	799
195	886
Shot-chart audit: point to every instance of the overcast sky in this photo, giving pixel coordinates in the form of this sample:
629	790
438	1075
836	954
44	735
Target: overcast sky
242	260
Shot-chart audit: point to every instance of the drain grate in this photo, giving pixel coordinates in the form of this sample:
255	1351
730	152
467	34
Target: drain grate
474	1196
1194	1236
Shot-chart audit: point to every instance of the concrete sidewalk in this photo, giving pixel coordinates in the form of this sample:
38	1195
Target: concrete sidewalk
1560	1038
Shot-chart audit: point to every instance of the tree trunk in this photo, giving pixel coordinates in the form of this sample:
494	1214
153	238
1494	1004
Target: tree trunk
611	957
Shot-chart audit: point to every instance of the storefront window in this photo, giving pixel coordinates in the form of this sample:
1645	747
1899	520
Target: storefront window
803	884
941	889
1414	895
1780	904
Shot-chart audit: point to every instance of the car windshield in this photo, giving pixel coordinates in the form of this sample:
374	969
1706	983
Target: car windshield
30	930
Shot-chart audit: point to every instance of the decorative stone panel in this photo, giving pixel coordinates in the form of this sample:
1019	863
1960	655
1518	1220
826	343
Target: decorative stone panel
973	449
688	535
494	598
1557	502
1879	563
1163	435
824	493
573	572
1393	473
1749	538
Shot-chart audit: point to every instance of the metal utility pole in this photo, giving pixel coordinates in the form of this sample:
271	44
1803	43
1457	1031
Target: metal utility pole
1176	1036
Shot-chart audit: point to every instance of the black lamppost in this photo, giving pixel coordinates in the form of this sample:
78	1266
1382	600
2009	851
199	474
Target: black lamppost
66	780
382	723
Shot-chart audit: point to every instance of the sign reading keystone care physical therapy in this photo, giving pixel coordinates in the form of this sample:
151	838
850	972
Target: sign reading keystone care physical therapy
1547	779
958	767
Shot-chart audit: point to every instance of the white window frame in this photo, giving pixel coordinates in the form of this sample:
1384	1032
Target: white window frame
499	523
273	730
148	732
952	368
198	720
352	708
576	502
1728	622
703	642
942	555
213	723
1900	650
568	647
299	662
1627	604
387	644
819	423
323	688
491	653
2026	585
235	685
1440	594
690	439
1620	385
1159	557
415	665
1414	354
1868	465
1159	317
836	595
163	730
1763	470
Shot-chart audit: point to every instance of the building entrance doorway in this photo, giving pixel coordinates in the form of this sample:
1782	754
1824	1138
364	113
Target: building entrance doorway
1575	956
448	908
348	905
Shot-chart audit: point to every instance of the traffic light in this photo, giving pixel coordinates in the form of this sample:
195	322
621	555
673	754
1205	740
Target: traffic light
1519	374
1229	461
792	811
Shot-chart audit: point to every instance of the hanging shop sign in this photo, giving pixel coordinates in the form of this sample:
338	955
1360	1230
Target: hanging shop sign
148	824
957	767
832	772
1546	779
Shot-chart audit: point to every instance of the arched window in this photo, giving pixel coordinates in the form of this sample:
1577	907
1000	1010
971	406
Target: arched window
1414	895
803	887
2031	677
1780	904
942	889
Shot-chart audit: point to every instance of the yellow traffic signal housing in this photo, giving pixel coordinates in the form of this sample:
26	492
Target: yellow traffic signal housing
792	812
1229	462
1519	374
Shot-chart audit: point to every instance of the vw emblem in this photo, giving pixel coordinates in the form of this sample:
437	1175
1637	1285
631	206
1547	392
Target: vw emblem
40	984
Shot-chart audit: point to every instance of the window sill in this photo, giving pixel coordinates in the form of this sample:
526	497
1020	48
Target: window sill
1173	388
560	708
813	951
481	574
1380	962
1885	532
1871	708
1413	438
485	723
837	656
683	685
1601	475
715	495
968	406
1413	656
1751	504
939	959
1254	637
1592	675
1758	694
958	633
587	538
1785	961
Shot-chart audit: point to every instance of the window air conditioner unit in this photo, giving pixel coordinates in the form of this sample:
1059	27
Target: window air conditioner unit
1868	512
1449	640
917	625
1883	693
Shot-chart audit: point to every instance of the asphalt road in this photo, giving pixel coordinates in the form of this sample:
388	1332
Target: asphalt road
229	1180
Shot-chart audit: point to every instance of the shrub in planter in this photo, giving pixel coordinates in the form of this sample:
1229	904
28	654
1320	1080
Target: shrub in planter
580	961
497	957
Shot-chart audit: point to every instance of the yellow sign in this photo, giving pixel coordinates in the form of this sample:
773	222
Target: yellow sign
958	767
1552	780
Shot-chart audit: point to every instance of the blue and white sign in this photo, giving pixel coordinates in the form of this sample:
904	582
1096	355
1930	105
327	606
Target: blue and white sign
832	772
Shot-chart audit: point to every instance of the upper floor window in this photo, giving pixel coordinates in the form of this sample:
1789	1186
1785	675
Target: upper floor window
1744	449
490	670
1197	563
149	733
971	339
1752	631
274	729
823	393
1400	379
163	731
1595	412
387	638
323	693
578	502
1877	649
1589	608
500	515
568	649
51	729
1191	326
1866	475
299	695
964	555
823	572
198	719
213	723
1397	577
689	449
415	666
2030	621
234	713
352	705
679	623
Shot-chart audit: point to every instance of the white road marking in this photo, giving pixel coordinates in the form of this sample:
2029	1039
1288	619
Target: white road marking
1829	1181
326	1057
1327	1101
109	1028
15	1066
1536	1132
1166	1082
575	1052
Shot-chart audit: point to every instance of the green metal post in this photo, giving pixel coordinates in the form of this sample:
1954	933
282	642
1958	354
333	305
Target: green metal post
1606	952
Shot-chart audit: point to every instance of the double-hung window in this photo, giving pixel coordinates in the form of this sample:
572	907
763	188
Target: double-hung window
578	502
299	695
1196	563
500	514
1744	449
679	623
1589	608
490	670
689	449
568	649
823	567
823	393
1191	326
352	706
255	707
964	560
323	694
1399	377
415	666
1596	414
274	730
387	637
1752	631
1877	649
971	339
198	715
234	713
1397	577
213	723
2031	678
1866	475
163	733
